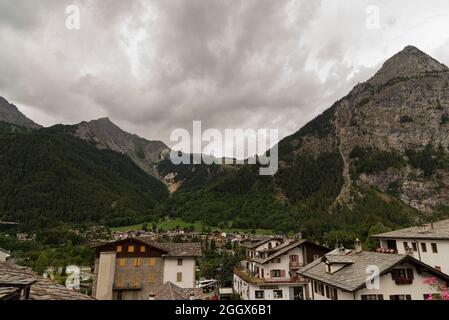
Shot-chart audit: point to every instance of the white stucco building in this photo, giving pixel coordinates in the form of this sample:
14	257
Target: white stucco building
360	275
428	243
270	269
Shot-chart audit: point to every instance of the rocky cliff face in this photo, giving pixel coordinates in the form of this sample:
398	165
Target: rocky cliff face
106	135
9	113
403	108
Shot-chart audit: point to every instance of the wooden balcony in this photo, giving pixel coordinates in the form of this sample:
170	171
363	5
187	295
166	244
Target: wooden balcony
403	281
251	278
295	265
127	286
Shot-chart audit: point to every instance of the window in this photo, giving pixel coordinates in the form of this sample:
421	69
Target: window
119	295
152	262
415	246
130	248
372	297
294	258
260	294
179	277
122	262
119	248
319	288
405	246
434	247
142	248
334	294
402	276
401	297
137	262
277	273
423	247
152	278
180	262
331	293
277	294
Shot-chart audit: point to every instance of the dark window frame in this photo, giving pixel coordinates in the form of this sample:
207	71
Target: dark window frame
434	247
423	247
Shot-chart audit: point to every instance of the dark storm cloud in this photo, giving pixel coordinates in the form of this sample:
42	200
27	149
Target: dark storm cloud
153	66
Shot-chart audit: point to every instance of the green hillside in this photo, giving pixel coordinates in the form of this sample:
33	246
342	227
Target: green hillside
47	178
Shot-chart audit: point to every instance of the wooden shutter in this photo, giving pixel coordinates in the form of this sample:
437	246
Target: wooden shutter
282	273
410	274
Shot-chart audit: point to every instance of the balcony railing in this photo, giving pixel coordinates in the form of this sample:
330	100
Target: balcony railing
248	276
127	286
403	280
295	264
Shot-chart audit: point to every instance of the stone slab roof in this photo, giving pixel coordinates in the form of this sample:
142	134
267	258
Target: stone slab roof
185	249
437	230
41	288
6	292
170	291
192	249
260	241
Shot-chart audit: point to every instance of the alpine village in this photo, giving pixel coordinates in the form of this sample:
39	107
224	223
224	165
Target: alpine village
358	210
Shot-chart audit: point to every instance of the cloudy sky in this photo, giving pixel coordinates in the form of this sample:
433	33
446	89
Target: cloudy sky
154	66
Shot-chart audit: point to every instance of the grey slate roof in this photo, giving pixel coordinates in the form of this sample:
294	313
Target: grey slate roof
170	291
185	249
440	230
255	244
192	249
284	248
353	276
41	288
281	249
7	292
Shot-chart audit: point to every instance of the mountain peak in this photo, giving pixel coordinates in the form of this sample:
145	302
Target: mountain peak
410	62
104	120
11	114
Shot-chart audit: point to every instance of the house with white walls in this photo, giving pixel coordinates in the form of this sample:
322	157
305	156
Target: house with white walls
269	271
428	243
360	275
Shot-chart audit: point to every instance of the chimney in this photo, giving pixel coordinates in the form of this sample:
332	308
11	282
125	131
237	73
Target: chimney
358	246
